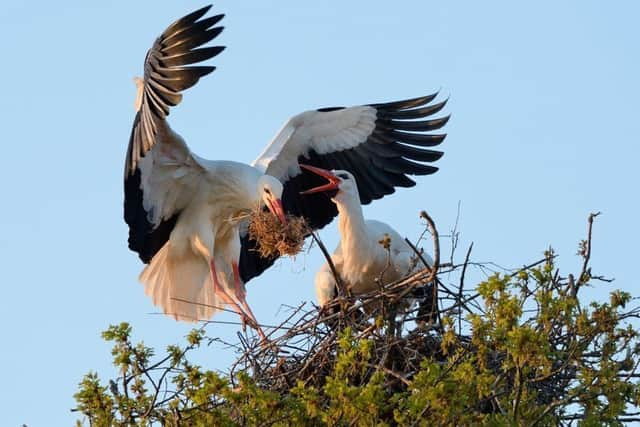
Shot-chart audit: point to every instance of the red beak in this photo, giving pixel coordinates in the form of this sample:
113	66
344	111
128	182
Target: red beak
333	184
276	208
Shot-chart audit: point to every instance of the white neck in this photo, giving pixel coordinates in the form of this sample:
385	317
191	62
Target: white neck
354	242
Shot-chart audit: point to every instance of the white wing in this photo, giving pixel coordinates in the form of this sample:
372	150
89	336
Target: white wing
380	144
322	132
161	174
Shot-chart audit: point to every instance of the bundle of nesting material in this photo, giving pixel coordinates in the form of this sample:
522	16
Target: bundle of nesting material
275	238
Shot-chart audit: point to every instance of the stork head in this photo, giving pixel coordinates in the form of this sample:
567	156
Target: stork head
340	181
270	194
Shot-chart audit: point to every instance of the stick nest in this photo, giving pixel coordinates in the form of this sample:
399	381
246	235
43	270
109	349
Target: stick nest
307	347
275	238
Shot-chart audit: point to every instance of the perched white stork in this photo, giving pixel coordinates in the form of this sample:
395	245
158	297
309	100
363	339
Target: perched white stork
184	212
360	258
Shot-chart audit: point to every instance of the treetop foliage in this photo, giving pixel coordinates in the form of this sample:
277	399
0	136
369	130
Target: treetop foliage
519	348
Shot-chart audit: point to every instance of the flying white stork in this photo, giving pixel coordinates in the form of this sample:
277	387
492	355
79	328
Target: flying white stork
360	258
184	212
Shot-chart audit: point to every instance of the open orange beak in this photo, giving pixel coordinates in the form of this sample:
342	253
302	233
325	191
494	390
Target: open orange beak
275	206
333	184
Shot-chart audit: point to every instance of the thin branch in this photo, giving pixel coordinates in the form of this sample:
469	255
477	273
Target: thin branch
461	287
586	255
327	256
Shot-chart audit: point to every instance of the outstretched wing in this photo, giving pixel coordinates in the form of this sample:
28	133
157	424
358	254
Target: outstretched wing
160	171
380	144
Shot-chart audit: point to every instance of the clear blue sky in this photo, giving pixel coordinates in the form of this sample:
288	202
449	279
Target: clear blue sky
544	129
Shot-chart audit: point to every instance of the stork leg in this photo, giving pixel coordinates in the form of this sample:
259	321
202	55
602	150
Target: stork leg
241	296
228	299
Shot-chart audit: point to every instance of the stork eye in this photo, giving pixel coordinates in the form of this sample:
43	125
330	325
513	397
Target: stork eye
266	190
343	176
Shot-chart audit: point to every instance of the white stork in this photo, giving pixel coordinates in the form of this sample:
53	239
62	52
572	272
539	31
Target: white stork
184	212
360	258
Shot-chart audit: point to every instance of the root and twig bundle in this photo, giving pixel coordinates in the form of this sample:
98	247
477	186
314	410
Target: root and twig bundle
275	238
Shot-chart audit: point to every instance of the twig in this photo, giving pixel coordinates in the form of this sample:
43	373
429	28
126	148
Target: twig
334	271
584	274
461	287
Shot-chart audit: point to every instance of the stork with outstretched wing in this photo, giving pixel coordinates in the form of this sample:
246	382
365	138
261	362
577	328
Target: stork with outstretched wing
185	213
379	144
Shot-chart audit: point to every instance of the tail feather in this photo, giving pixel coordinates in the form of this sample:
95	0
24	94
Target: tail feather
180	283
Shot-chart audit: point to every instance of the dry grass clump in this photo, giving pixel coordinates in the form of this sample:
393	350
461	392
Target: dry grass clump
275	238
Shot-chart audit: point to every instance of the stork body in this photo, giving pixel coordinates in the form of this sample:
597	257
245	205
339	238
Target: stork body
195	273
185	213
361	259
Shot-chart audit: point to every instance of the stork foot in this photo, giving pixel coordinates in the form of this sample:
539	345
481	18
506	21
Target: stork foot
241	295
239	304
220	292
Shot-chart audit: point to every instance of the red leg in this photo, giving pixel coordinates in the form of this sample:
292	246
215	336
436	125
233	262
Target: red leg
237	282
220	291
241	295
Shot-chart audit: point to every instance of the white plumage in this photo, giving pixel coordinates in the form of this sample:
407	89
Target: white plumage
213	197
361	260
322	132
185	214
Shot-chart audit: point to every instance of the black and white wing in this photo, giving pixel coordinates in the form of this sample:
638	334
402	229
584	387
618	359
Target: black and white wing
160	171
380	144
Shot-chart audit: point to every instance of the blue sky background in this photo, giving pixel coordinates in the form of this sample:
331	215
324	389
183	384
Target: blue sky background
544	129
